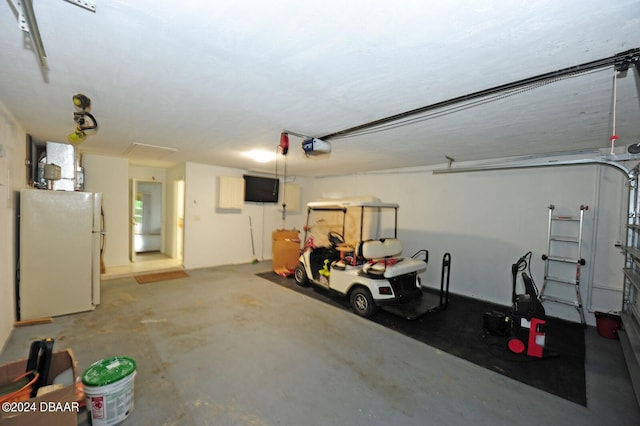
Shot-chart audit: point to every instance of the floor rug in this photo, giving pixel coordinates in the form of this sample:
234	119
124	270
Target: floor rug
160	276
458	331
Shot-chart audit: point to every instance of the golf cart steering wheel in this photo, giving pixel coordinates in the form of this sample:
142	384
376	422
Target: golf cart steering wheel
335	239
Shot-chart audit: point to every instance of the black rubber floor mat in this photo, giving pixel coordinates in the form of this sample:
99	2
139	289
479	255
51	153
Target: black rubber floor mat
458	331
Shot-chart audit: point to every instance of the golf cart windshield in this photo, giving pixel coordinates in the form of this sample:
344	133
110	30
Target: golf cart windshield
354	221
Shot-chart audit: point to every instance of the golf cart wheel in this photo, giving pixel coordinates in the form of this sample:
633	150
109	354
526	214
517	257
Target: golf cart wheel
362	302
301	276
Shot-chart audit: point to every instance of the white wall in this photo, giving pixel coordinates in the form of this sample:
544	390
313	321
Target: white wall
488	219
12	178
110	176
217	237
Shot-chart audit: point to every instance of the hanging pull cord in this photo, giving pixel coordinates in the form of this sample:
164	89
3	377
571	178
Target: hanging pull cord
279	150
284	194
614	137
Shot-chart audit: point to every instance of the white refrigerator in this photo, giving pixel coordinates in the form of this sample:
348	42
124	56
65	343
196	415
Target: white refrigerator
60	242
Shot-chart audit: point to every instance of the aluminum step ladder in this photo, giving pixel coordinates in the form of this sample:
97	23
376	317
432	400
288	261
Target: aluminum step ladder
571	243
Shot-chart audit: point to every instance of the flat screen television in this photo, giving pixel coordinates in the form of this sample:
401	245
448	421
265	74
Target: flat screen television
261	189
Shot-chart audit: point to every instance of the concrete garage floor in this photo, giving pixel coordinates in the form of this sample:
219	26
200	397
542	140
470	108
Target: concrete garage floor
225	347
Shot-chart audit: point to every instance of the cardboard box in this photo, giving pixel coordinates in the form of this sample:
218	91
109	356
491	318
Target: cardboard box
285	250
56	408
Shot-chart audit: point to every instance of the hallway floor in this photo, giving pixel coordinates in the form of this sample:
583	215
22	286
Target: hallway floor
225	347
145	262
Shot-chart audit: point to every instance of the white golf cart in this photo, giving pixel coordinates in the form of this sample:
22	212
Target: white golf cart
351	247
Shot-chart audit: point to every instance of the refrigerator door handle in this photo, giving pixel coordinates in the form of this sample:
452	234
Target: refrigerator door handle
97	233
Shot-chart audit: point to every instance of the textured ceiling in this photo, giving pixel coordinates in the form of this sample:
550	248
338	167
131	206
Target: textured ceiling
213	79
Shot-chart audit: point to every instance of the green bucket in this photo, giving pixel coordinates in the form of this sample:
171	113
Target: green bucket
108	385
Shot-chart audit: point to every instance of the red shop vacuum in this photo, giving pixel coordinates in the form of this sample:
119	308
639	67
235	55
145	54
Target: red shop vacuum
524	325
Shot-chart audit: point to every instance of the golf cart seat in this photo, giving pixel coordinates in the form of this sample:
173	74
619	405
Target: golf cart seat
380	249
383	261
372	252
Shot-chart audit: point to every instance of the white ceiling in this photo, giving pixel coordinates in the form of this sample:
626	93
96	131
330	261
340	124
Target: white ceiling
214	79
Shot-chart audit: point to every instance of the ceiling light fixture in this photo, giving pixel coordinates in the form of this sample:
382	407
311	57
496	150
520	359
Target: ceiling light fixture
83	119
81	101
260	155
